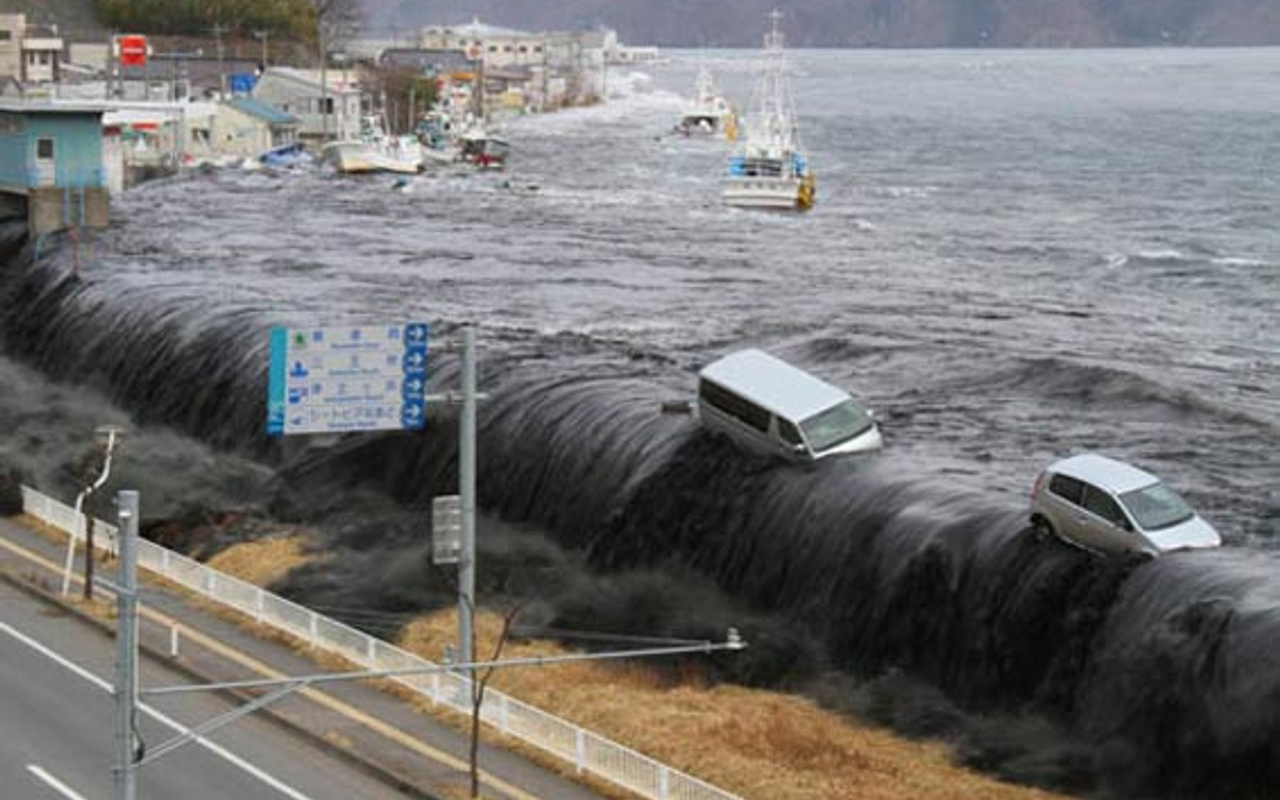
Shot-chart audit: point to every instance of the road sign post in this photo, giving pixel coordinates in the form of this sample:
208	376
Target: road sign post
467	492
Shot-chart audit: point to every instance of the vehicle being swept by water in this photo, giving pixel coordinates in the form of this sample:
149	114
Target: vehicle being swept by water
770	407
375	150
1108	506
710	114
770	169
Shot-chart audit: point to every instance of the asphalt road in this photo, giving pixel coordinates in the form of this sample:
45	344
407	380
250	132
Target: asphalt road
55	726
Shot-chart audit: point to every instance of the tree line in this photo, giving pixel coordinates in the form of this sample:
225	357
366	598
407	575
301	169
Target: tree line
298	20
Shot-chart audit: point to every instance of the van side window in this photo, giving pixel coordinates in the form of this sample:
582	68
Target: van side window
1100	503
735	406
1068	489
789	433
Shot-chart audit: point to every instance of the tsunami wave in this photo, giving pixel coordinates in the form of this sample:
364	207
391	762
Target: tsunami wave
1169	668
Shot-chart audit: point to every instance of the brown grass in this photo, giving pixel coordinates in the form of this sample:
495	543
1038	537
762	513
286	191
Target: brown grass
762	745
263	562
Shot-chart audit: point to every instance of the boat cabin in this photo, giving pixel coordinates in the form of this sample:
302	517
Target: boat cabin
768	406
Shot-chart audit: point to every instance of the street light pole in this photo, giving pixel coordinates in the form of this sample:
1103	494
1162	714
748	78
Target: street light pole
126	689
264	36
467	495
113	435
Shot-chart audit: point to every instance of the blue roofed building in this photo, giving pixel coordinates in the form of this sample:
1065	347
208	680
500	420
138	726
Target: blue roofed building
51	165
248	127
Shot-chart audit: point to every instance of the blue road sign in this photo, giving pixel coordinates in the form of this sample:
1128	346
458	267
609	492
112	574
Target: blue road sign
338	380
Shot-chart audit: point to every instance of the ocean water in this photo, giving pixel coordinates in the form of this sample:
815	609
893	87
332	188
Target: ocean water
1015	256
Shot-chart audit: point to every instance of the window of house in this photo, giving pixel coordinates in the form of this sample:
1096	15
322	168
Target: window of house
44	58
524	48
507	49
6	36
44	149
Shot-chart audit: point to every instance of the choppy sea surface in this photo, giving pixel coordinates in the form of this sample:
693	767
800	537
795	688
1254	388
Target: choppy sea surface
1015	255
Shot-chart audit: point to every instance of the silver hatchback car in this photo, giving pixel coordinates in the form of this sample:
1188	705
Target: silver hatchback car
1111	507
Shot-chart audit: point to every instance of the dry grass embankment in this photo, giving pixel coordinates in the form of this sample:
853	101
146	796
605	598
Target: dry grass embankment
762	745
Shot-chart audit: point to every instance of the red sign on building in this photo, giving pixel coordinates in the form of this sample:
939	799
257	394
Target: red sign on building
133	51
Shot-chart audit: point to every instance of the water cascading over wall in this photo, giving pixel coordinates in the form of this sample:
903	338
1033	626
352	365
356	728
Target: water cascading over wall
1172	667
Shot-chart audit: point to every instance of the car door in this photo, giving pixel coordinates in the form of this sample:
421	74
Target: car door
1105	525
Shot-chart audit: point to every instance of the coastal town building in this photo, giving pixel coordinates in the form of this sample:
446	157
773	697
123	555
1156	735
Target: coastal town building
248	127
330	104
499	47
29	54
51	165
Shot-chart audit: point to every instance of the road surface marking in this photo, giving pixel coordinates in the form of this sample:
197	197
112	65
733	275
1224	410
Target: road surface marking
53	783
350	712
45	651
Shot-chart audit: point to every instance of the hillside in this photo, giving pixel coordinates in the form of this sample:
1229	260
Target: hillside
75	18
856	23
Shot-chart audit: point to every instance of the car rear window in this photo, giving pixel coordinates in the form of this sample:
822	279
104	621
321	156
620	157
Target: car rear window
1067	488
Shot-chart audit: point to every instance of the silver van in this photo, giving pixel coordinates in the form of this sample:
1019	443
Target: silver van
770	407
1111	507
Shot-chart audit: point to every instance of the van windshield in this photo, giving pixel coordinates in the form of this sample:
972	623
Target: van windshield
1156	507
835	425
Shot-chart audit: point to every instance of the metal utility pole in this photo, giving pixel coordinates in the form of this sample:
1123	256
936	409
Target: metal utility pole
217	31
126	689
467	493
264	36
324	86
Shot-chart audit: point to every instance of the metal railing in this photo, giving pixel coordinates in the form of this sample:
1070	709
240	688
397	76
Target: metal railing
586	751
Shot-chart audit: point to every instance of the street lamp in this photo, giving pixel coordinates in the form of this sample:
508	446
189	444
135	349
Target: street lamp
263	36
106	436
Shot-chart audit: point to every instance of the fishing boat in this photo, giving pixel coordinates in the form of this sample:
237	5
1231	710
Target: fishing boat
710	114
770	169
436	135
375	151
483	148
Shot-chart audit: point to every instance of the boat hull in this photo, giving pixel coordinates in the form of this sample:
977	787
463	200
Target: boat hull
779	194
354	158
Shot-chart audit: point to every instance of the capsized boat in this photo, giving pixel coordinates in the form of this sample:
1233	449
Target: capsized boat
286	156
770	169
710	114
375	151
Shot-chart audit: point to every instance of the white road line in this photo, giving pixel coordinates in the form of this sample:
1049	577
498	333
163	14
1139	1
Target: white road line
256	772
53	783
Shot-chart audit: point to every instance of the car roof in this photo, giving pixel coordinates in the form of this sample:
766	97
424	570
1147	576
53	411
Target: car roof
1105	472
774	384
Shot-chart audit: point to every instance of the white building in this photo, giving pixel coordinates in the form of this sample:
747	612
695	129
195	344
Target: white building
27	55
298	93
498	47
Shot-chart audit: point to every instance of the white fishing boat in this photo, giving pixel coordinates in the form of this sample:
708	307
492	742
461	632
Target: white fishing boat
710	114
436	135
770	169
375	151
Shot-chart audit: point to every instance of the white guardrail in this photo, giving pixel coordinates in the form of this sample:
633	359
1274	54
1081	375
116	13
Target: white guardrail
586	751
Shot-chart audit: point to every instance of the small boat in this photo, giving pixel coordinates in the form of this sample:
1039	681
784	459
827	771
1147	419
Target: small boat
483	148
770	169
435	134
286	156
710	114
375	151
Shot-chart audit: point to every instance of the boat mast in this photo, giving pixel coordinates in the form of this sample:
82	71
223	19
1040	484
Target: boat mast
777	117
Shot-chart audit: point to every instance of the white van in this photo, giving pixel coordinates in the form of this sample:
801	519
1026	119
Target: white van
771	407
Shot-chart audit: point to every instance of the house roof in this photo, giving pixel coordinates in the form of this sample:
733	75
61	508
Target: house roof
14	106
479	30
420	58
262	110
311	78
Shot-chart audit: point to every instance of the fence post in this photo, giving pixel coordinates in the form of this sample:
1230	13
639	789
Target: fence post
173	641
664	782
503	713
579	749
371	650
210	581
435	689
164	561
314	625
259	603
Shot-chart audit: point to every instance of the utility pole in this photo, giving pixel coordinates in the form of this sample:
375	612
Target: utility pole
126	689
467	496
264	36
218	30
324	86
